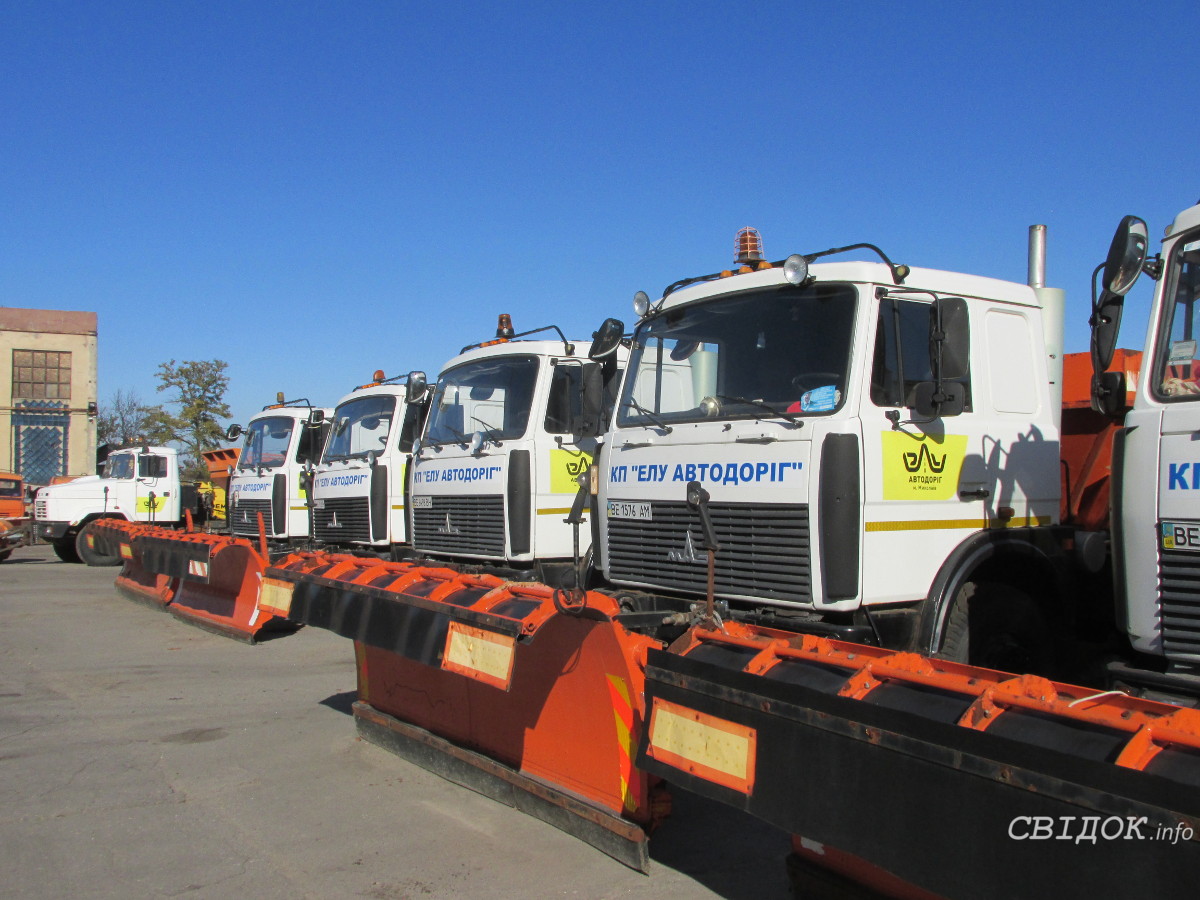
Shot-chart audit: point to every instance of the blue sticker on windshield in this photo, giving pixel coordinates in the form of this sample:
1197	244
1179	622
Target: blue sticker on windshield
822	399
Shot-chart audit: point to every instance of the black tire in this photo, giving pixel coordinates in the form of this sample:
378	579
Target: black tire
998	627
5	554
64	548
91	555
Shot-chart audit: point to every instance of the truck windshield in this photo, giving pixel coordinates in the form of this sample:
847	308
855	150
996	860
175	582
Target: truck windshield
360	426
119	466
781	352
266	443
489	395
1178	365
10	488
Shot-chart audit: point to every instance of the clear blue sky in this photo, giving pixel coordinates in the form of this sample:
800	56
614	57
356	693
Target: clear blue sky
313	190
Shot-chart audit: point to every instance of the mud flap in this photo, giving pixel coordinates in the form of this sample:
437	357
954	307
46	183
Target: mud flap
910	765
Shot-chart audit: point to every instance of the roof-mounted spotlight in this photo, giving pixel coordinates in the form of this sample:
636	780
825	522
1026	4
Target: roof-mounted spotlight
795	269
641	304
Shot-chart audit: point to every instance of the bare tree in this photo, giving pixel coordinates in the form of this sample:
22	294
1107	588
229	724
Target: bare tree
124	419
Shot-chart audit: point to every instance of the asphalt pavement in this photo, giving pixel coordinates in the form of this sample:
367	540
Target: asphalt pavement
141	756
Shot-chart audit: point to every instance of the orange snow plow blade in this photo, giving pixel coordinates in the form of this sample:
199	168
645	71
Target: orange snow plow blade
492	685
117	537
963	782
210	580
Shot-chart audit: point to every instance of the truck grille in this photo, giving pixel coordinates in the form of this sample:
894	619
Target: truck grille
343	519
1179	603
39	509
243	518
472	526
764	550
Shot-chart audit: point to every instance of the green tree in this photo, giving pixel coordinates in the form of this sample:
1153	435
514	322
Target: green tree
198	390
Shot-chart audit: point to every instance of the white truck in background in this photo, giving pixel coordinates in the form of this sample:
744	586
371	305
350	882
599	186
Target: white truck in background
282	443
360	483
513	424
139	484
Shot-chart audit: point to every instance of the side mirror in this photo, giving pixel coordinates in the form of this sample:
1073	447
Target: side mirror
931	401
949	339
1126	256
591	402
1108	394
606	339
316	417
233	432
414	389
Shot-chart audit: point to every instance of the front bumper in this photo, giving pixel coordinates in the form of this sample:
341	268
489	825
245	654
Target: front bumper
51	531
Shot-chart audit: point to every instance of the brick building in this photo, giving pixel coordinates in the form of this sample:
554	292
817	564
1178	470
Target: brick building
47	393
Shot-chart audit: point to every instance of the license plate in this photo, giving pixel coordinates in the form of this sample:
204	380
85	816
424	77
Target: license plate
622	509
423	502
1181	536
318	502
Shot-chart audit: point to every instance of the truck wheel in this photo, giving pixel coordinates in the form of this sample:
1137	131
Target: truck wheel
998	627
91	555
64	548
5	554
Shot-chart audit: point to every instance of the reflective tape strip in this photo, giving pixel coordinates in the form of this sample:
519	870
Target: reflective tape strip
714	749
973	524
479	654
198	568
557	511
618	693
91	541
126	551
276	597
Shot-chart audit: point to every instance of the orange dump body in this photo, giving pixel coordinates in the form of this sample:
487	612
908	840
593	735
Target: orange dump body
1087	440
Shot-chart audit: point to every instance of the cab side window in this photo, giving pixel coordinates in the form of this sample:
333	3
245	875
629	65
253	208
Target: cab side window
152	467
901	359
563	406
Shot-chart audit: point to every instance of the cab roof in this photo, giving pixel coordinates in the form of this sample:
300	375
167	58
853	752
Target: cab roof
946	283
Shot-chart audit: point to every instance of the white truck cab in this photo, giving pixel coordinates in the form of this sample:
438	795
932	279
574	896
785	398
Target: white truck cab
359	485
140	484
1156	459
270	480
513	423
849	428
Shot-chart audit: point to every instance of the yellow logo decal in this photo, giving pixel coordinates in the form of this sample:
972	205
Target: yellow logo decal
565	467
921	467
143	504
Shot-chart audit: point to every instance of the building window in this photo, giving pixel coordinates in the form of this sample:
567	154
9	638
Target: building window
41	375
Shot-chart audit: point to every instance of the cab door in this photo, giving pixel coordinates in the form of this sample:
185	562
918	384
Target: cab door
932	483
152	488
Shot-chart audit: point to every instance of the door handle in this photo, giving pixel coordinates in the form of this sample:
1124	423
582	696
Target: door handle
975	494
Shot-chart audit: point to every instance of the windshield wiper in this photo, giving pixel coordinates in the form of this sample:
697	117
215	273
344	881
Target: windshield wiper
653	417
463	440
491	432
761	405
